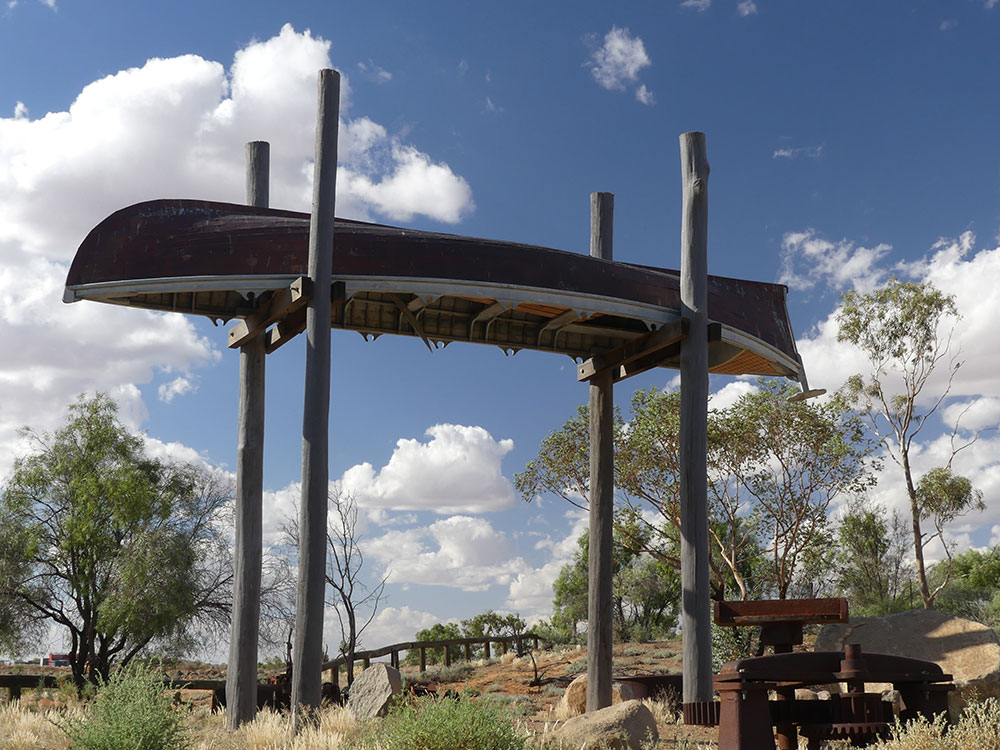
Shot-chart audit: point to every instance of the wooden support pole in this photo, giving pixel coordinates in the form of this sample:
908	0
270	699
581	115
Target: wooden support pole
600	630
486	650
468	652
308	652
241	672
695	612
423	659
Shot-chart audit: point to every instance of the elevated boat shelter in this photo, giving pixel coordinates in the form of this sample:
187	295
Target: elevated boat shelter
279	273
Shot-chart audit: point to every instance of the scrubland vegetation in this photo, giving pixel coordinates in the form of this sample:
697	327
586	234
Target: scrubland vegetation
130	712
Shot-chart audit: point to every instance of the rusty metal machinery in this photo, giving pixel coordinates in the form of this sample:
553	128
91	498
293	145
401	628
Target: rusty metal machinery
749	719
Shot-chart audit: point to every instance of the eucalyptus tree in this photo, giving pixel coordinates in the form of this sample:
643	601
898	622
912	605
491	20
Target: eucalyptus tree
905	329
645	592
774	467
796	458
872	566
122	550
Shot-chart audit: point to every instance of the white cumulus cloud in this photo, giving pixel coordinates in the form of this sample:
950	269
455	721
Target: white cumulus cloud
172	127
730	393
530	592
179	386
458	470
618	61
460	552
699	5
394	625
808	259
747	8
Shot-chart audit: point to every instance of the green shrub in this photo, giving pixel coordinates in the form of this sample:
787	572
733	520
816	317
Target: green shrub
430	723
731	644
518	705
132	711
580	665
455	673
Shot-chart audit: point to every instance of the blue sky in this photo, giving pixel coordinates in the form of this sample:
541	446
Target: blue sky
848	141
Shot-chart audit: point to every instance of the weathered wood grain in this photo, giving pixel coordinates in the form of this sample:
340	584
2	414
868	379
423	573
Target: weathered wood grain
308	647
241	675
695	605
600	625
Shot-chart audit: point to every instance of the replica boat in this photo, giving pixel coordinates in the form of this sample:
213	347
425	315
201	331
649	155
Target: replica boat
229	261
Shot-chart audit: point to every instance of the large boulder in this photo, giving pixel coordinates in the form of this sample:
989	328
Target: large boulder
625	726
574	699
373	690
967	650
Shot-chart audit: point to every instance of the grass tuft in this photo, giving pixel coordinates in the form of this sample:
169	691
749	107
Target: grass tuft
979	728
441	724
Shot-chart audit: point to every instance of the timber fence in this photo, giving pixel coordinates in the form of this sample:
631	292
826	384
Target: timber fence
504	642
15	683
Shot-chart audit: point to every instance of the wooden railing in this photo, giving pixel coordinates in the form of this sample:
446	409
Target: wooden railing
14	683
505	642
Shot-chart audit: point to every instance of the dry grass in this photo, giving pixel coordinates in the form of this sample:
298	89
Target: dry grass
30	730
24	728
979	729
270	731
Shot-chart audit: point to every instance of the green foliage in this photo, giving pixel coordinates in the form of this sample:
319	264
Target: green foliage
131	712
442	724
897	324
562	467
492	624
120	549
943	496
900	330
794	459
731	644
551	634
488	624
645	592
774	468
973	591
442	631
872	566
570	599
516	705
575	667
